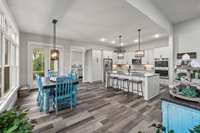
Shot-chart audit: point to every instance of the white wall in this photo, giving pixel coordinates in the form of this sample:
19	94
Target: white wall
77	57
26	37
187	36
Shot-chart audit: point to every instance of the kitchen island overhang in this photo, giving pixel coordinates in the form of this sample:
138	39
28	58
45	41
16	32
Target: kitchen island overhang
150	82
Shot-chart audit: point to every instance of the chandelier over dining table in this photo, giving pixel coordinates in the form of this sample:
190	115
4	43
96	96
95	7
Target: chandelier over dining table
54	51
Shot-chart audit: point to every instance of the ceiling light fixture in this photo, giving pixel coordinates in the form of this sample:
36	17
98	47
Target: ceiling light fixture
113	42
139	53
120	52
102	39
156	35
54	51
136	41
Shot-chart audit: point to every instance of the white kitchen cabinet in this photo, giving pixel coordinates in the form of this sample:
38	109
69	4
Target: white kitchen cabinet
93	65
148	57
107	54
162	52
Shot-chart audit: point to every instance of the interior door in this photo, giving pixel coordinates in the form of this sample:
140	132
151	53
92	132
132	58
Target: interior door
38	64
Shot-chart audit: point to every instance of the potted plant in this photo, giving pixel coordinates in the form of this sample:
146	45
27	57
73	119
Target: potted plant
15	121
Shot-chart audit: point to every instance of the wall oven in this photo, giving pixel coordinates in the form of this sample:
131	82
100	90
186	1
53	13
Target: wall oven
161	67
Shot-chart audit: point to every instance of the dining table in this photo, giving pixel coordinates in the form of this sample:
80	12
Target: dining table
49	89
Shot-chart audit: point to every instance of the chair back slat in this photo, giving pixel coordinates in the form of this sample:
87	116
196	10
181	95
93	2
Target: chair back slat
72	76
63	87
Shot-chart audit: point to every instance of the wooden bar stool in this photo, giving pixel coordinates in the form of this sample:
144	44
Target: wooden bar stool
125	80
138	90
115	83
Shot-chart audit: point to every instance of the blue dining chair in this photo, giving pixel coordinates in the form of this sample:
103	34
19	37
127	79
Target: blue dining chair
52	73
40	92
41	96
73	76
63	93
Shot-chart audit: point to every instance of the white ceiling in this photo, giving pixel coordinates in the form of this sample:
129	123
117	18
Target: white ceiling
84	20
179	10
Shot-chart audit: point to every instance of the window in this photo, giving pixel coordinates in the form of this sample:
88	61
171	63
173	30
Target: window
38	62
9	66
1	52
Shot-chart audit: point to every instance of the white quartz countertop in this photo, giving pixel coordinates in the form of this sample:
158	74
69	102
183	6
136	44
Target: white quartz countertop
135	73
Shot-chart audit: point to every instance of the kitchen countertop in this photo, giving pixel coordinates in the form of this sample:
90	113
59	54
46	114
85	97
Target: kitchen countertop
135	73
178	101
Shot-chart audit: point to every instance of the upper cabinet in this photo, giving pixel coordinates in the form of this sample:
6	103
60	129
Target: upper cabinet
126	60
162	52
148	57
107	54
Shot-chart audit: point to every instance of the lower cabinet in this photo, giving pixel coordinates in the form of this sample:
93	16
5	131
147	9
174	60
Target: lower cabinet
179	118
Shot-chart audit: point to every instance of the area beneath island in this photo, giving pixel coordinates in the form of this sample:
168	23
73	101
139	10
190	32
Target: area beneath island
150	82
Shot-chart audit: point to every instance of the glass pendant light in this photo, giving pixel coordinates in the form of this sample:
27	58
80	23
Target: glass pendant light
54	51
120	52
139	53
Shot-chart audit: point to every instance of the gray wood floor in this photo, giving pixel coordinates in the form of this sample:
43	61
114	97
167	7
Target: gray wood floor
98	111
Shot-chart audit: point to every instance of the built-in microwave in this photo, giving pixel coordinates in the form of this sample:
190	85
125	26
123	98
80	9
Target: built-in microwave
163	62
136	61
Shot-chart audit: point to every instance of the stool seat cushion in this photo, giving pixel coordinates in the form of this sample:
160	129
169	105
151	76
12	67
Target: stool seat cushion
136	81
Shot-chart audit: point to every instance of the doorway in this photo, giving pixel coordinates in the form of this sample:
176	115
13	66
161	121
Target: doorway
77	62
39	62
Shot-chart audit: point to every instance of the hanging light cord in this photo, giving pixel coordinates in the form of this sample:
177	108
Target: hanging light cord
139	30
54	32
120	40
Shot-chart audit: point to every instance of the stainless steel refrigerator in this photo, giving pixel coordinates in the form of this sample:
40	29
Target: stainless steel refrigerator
107	66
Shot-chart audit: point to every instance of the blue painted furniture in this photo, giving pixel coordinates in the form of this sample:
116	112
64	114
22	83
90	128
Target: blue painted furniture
179	118
40	91
63	93
52	74
49	89
72	76
42	97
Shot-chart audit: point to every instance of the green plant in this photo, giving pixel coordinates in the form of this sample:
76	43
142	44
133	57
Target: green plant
196	129
15	121
159	128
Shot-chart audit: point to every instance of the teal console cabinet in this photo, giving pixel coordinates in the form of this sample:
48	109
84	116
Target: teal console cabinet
178	117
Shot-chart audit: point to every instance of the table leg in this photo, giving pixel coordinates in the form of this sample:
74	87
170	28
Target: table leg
46	101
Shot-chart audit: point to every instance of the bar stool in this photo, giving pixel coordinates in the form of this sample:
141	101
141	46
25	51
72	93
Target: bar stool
125	80
138	83
115	85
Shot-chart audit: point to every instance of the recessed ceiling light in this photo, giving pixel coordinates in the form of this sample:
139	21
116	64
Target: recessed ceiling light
113	42
102	39
136	41
156	35
122	44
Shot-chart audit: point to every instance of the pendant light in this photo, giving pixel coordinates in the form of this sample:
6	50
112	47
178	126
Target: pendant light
120	52
139	53
54	51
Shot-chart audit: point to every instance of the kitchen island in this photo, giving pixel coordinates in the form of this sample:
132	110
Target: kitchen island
150	82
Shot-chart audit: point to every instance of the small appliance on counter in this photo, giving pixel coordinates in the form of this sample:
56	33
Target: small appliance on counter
136	61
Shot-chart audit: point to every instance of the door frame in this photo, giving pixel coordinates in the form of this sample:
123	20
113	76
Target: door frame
47	47
79	49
